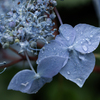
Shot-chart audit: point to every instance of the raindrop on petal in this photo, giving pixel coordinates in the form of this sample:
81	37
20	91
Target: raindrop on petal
91	35
88	41
83	39
78	79
84	48
76	41
81	33
42	51
54	48
82	57
67	38
43	48
68	72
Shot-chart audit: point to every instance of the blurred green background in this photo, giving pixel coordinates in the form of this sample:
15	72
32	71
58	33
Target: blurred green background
72	12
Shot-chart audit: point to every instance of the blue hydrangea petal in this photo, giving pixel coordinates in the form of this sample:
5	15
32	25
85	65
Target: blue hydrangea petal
50	66
38	83
55	48
60	39
20	79
78	67
27	82
87	38
68	33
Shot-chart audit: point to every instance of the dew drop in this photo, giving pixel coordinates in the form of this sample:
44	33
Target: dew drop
76	41
99	37
68	72
84	48
37	62
42	51
83	39
81	33
67	38
57	54
82	57
78	79
45	56
91	35
43	48
88	41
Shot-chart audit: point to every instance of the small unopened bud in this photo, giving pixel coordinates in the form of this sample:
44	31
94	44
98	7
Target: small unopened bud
6	45
33	44
54	3
16	40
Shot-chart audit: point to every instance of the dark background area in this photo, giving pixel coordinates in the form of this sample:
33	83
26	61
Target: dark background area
80	13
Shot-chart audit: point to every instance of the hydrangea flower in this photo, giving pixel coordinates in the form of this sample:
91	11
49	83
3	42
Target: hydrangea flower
28	81
70	54
5	6
26	23
76	46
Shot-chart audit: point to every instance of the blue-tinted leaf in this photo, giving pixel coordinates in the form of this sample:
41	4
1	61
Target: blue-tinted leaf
27	82
50	66
87	38
78	67
68	33
55	48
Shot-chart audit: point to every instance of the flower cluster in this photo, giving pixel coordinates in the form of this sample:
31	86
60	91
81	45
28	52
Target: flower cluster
5	6
70	54
75	45
26	23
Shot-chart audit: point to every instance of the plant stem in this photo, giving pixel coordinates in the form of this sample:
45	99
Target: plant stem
58	15
16	52
10	64
3	70
29	62
96	69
